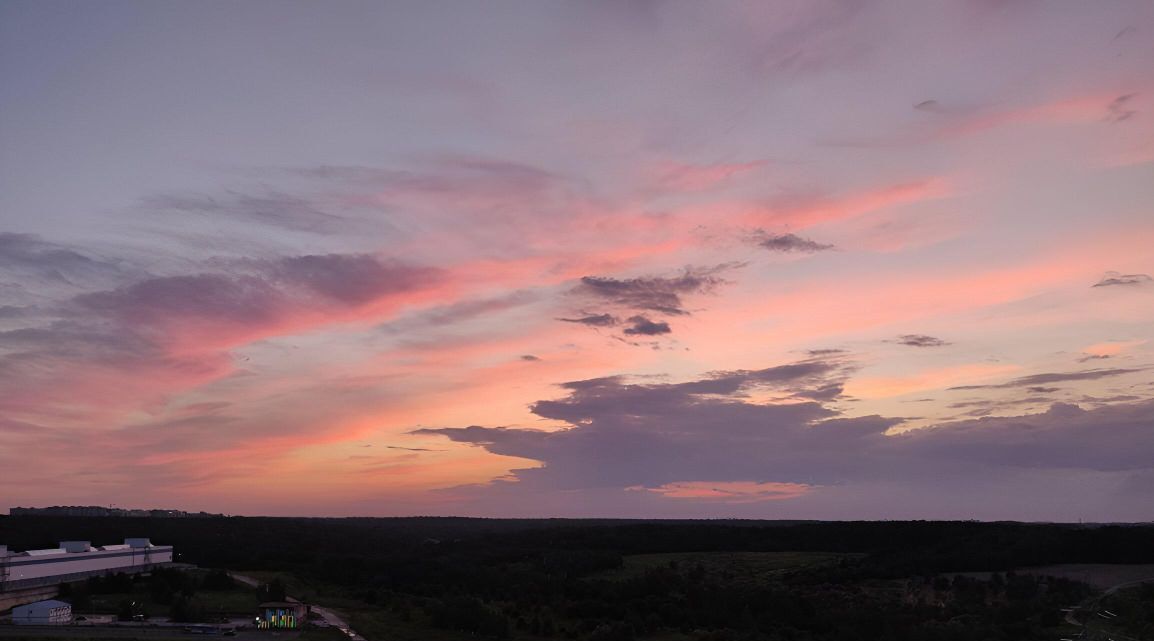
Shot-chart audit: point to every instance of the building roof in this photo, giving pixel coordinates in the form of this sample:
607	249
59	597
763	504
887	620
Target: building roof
281	604
50	603
144	545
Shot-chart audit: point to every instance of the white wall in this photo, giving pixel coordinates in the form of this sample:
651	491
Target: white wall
42	613
20	569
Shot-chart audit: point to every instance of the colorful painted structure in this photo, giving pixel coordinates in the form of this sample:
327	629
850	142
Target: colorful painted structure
281	614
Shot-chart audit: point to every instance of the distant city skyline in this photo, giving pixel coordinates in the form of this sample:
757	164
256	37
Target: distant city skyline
100	510
787	260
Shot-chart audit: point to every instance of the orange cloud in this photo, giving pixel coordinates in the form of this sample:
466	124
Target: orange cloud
1111	348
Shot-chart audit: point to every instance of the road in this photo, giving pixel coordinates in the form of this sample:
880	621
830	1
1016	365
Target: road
80	633
1090	606
330	617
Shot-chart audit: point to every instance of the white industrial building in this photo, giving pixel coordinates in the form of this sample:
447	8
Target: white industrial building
50	612
76	560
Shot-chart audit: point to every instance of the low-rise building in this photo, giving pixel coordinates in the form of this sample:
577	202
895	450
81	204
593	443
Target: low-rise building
281	614
76	560
51	612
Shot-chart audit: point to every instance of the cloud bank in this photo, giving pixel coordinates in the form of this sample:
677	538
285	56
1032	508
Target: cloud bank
711	439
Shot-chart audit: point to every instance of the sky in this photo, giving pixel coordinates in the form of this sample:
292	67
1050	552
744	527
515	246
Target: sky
795	259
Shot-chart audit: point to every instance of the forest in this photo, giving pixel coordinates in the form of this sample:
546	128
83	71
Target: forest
603	580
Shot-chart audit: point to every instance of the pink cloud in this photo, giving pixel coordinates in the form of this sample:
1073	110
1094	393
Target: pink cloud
684	177
797	210
1111	348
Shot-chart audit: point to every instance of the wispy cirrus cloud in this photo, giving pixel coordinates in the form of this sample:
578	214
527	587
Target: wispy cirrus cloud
1120	108
1112	279
32	259
801	208
273	209
690	177
1055	377
941	120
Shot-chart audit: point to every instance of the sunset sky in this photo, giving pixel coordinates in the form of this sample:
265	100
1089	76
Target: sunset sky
778	259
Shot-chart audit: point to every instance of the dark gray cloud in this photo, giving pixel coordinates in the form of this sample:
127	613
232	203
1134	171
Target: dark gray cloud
1119	108
788	243
1126	31
1114	278
1058	377
655	294
274	209
594	320
530	358
931	106
920	340
1115	437
413	449
628	435
643	433
642	326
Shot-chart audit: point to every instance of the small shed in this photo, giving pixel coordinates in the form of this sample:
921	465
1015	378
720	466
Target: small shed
51	612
